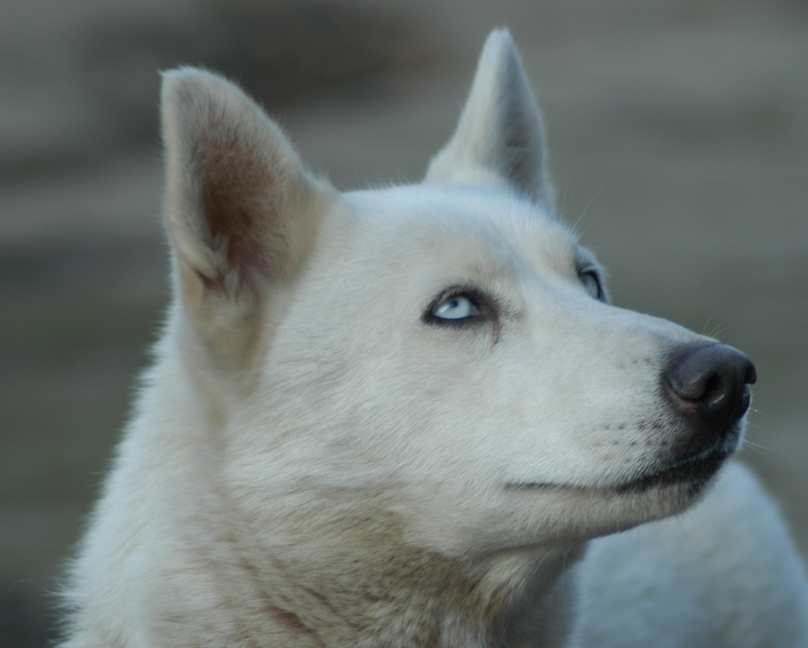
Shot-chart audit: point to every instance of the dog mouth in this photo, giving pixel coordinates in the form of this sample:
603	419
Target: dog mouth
693	471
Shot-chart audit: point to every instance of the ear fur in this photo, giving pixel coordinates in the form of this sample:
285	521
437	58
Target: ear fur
239	202
500	136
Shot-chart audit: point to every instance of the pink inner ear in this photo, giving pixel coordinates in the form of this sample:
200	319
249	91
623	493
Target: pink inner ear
232	179
233	219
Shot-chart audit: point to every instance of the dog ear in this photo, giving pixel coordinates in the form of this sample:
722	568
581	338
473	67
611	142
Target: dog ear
500	134
240	206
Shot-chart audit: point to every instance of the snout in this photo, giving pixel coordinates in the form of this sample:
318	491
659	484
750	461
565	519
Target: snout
708	384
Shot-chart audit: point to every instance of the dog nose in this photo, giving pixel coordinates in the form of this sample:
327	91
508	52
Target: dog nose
711	383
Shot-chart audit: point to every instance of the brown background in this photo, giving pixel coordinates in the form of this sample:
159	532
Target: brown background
679	133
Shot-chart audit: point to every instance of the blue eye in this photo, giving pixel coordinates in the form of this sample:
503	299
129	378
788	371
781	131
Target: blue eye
456	307
461	306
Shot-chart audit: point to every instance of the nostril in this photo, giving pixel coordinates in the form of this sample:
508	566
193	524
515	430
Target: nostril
695	387
714	390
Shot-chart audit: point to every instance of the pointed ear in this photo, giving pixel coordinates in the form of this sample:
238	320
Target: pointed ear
240	206
499	136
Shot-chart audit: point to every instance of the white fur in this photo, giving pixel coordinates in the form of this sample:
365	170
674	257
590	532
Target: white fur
724	574
312	464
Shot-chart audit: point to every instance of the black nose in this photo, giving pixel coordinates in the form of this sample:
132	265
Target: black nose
710	383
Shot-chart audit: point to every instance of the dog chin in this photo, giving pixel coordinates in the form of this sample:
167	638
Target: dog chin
666	491
657	493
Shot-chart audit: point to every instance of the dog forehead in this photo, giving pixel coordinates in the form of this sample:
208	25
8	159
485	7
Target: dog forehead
493	224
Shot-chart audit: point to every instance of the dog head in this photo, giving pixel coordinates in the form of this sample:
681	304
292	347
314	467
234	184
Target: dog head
443	352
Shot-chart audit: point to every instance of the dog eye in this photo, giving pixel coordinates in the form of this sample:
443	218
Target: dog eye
459	306
456	307
591	281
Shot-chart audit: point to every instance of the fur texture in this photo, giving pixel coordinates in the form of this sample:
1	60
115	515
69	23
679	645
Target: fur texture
315	460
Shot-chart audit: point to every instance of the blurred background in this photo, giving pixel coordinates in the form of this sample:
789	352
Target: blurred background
679	138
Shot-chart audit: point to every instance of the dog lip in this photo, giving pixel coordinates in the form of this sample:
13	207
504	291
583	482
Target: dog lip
542	486
694	469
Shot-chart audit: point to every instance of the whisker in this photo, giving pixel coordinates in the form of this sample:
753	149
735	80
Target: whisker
713	329
755	446
576	226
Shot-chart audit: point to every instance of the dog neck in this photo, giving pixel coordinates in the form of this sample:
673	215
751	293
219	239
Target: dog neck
368	591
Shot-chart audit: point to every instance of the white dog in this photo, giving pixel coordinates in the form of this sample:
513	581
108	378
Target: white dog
397	417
